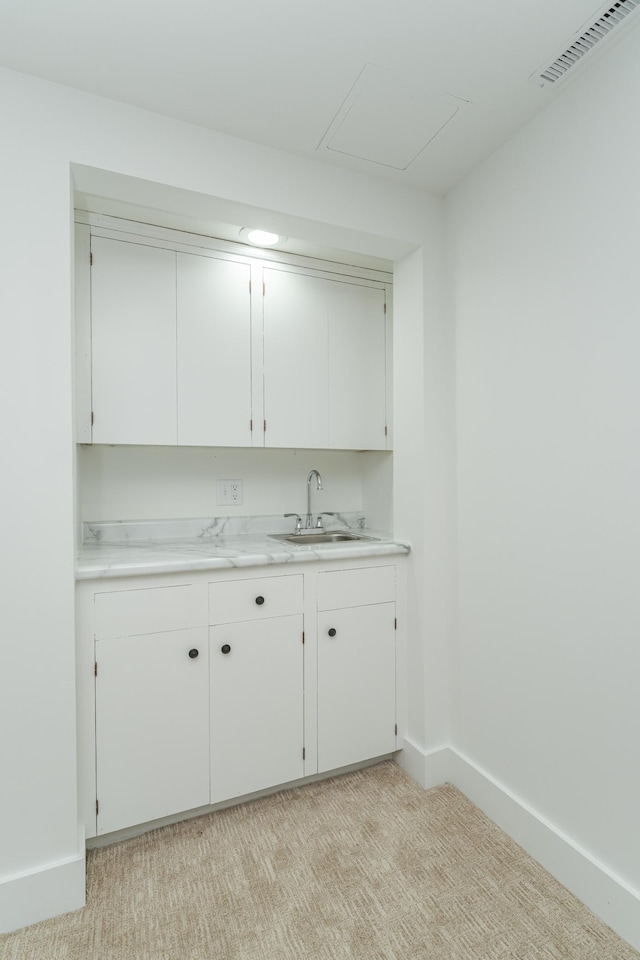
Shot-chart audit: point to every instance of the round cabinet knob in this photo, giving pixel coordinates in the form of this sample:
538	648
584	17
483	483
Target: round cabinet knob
332	632
225	648
259	601
193	653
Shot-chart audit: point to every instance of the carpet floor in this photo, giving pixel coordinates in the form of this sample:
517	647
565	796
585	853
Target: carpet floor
365	866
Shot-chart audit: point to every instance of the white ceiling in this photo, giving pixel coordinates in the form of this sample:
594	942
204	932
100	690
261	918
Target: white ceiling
350	82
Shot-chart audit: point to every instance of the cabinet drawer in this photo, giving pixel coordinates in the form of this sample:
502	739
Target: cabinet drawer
356	588
149	610
255	599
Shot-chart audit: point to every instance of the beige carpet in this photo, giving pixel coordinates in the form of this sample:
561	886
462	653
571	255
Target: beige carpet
366	865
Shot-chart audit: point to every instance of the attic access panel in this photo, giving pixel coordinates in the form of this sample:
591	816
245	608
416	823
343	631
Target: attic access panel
383	121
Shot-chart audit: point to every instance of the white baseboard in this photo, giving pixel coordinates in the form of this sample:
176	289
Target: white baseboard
606	895
429	768
48	891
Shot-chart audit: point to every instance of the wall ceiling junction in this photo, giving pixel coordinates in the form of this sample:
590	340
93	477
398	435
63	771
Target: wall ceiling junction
419	92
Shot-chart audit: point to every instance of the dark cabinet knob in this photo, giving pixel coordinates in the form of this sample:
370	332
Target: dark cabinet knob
259	601
332	632
225	648
193	653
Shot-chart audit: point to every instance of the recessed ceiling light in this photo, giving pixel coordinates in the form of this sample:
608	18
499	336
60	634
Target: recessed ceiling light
260	238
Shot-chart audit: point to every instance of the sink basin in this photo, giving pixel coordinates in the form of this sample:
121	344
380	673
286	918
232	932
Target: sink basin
319	536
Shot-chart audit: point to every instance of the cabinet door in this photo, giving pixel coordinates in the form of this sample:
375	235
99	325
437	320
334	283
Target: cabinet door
214	351
152	730
324	362
133	349
257	732
296	357
356	684
357	367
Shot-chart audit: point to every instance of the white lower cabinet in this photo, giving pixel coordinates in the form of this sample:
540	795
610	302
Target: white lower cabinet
356	666
152	739
356	685
200	689
257	684
257	721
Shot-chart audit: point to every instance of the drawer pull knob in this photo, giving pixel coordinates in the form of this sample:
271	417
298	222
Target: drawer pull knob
259	601
193	653
332	632
225	648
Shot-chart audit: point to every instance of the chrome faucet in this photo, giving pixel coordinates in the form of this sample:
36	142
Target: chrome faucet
312	473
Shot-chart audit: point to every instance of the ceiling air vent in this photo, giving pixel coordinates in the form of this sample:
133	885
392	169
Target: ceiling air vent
584	43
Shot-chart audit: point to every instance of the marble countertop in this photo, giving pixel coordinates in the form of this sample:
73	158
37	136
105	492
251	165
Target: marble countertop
150	547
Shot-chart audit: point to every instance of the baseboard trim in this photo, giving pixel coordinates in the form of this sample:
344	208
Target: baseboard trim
606	895
127	833
429	768
45	892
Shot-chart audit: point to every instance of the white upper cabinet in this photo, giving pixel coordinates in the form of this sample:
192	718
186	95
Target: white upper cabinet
325	367
214	352
357	367
133	343
206	347
296	360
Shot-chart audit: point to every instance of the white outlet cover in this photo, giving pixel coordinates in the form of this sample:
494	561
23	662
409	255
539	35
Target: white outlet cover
229	493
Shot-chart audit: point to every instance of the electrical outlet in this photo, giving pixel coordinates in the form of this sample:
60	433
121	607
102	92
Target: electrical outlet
229	493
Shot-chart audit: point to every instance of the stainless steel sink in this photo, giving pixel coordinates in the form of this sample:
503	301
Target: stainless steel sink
318	536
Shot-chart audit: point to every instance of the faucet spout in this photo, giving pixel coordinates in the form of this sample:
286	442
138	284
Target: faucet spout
312	474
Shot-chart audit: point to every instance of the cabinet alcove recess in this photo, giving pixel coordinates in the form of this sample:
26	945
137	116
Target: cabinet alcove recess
206	687
195	342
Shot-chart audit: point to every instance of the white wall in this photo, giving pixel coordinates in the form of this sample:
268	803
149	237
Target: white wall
50	133
146	483
543	251
544	242
424	464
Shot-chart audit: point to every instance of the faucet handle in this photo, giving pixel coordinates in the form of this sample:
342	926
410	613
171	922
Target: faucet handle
298	521
325	513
